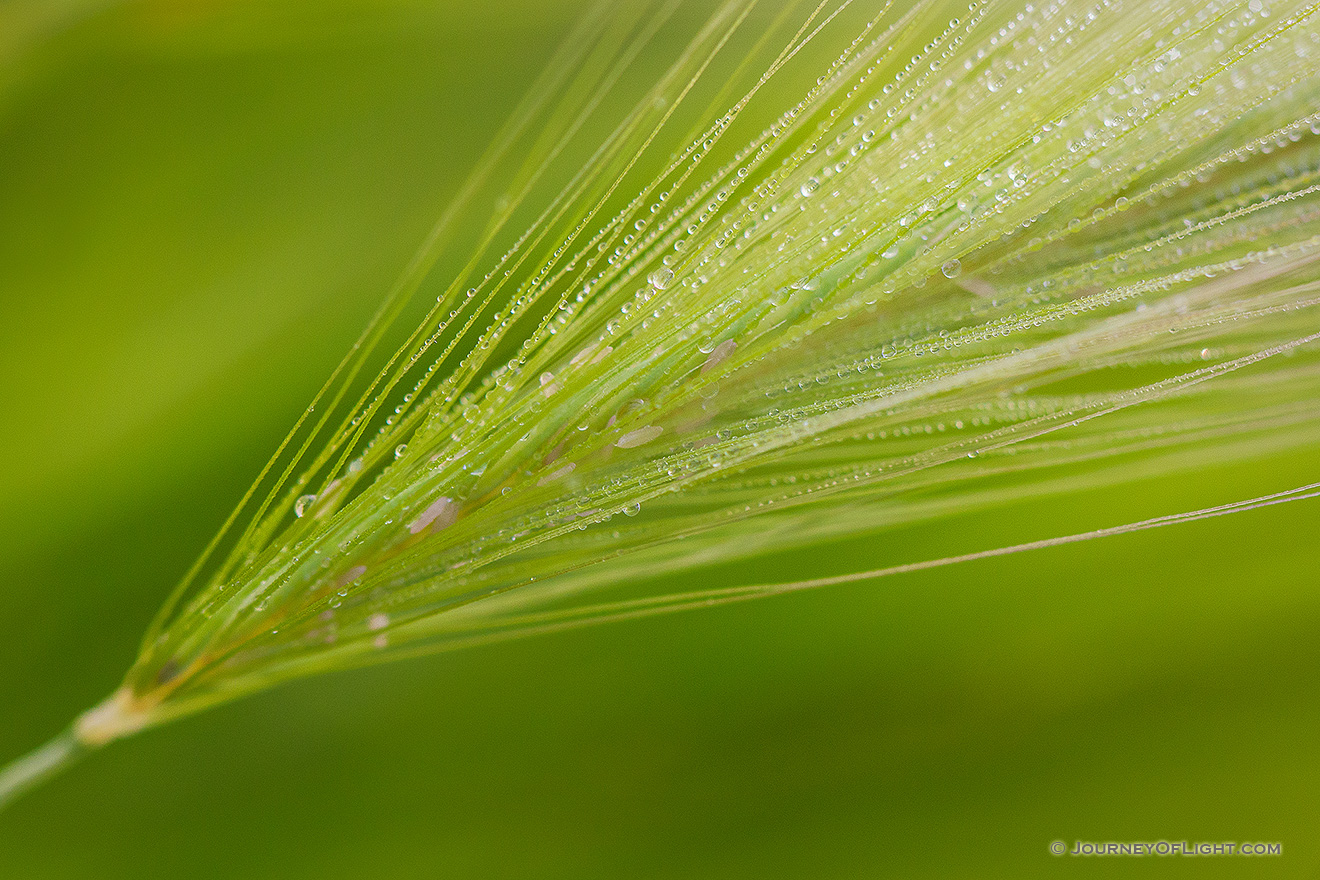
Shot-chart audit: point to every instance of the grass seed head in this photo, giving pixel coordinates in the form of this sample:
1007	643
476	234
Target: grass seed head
827	255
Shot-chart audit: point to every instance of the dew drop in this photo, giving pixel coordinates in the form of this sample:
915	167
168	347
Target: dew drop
661	278
300	506
951	268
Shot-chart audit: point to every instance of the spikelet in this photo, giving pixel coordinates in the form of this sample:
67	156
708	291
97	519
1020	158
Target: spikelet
835	267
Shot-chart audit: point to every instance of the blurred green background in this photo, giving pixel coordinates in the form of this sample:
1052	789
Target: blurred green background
201	201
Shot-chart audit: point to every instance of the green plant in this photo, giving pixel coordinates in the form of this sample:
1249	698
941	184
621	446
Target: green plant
832	268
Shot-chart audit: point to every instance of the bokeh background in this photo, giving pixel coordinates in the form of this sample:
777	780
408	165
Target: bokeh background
201	202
